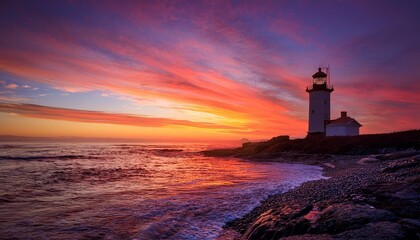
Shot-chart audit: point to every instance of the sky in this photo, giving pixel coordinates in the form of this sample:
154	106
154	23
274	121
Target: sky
204	70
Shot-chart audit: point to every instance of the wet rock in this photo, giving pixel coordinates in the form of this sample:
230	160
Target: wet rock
346	216
276	224
378	230
312	216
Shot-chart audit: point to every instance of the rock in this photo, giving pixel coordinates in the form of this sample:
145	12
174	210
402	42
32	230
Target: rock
329	165
399	165
397	155
228	234
378	230
346	216
367	160
412	226
276	224
407	193
309	237
401	198
312	216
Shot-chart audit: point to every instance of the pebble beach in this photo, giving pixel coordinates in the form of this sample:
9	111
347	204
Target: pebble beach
365	197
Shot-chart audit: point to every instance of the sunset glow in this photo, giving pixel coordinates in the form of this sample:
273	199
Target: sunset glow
203	70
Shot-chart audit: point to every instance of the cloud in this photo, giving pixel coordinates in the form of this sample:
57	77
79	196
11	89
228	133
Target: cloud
176	78
46	112
12	86
245	63
12	99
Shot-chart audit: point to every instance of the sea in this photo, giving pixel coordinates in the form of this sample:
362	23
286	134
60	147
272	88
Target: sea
131	191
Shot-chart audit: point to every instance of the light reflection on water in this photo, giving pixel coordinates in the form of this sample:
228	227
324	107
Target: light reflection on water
114	191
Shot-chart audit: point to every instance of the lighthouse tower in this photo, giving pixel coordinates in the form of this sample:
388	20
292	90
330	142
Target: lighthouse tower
319	103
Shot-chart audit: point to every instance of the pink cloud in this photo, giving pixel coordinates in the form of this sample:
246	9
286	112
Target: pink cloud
12	86
204	58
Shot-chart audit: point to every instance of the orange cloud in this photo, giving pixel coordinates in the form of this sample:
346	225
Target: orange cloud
242	68
178	80
45	112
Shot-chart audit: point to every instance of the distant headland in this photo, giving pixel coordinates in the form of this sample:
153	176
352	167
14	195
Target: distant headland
337	145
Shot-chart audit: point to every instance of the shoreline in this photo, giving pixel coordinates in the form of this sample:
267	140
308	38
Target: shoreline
365	196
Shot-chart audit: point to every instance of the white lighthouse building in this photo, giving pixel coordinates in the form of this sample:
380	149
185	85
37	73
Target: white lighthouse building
320	111
319	103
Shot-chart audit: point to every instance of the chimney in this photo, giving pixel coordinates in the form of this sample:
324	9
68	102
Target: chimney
343	114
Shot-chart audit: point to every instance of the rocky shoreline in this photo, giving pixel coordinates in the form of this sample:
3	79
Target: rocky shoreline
366	197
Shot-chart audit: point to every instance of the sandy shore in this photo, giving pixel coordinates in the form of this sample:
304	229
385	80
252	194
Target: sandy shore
366	197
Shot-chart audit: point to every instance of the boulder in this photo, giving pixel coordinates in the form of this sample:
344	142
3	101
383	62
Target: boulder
378	230
346	216
309	237
366	160
412	226
283	222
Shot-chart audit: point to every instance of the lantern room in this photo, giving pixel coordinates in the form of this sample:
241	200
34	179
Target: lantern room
320	77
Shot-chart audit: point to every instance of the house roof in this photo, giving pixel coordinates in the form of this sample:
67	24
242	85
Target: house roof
344	121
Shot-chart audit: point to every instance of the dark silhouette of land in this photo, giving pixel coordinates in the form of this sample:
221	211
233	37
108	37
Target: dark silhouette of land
349	145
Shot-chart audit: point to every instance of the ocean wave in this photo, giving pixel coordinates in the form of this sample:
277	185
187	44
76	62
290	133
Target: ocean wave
169	150
95	175
137	191
10	146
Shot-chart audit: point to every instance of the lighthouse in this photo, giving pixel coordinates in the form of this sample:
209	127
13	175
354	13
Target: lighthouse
319	103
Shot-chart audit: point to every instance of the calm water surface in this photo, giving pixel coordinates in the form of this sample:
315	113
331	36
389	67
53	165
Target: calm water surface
127	191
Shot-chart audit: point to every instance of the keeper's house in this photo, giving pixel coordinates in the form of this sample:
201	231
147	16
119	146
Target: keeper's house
342	126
